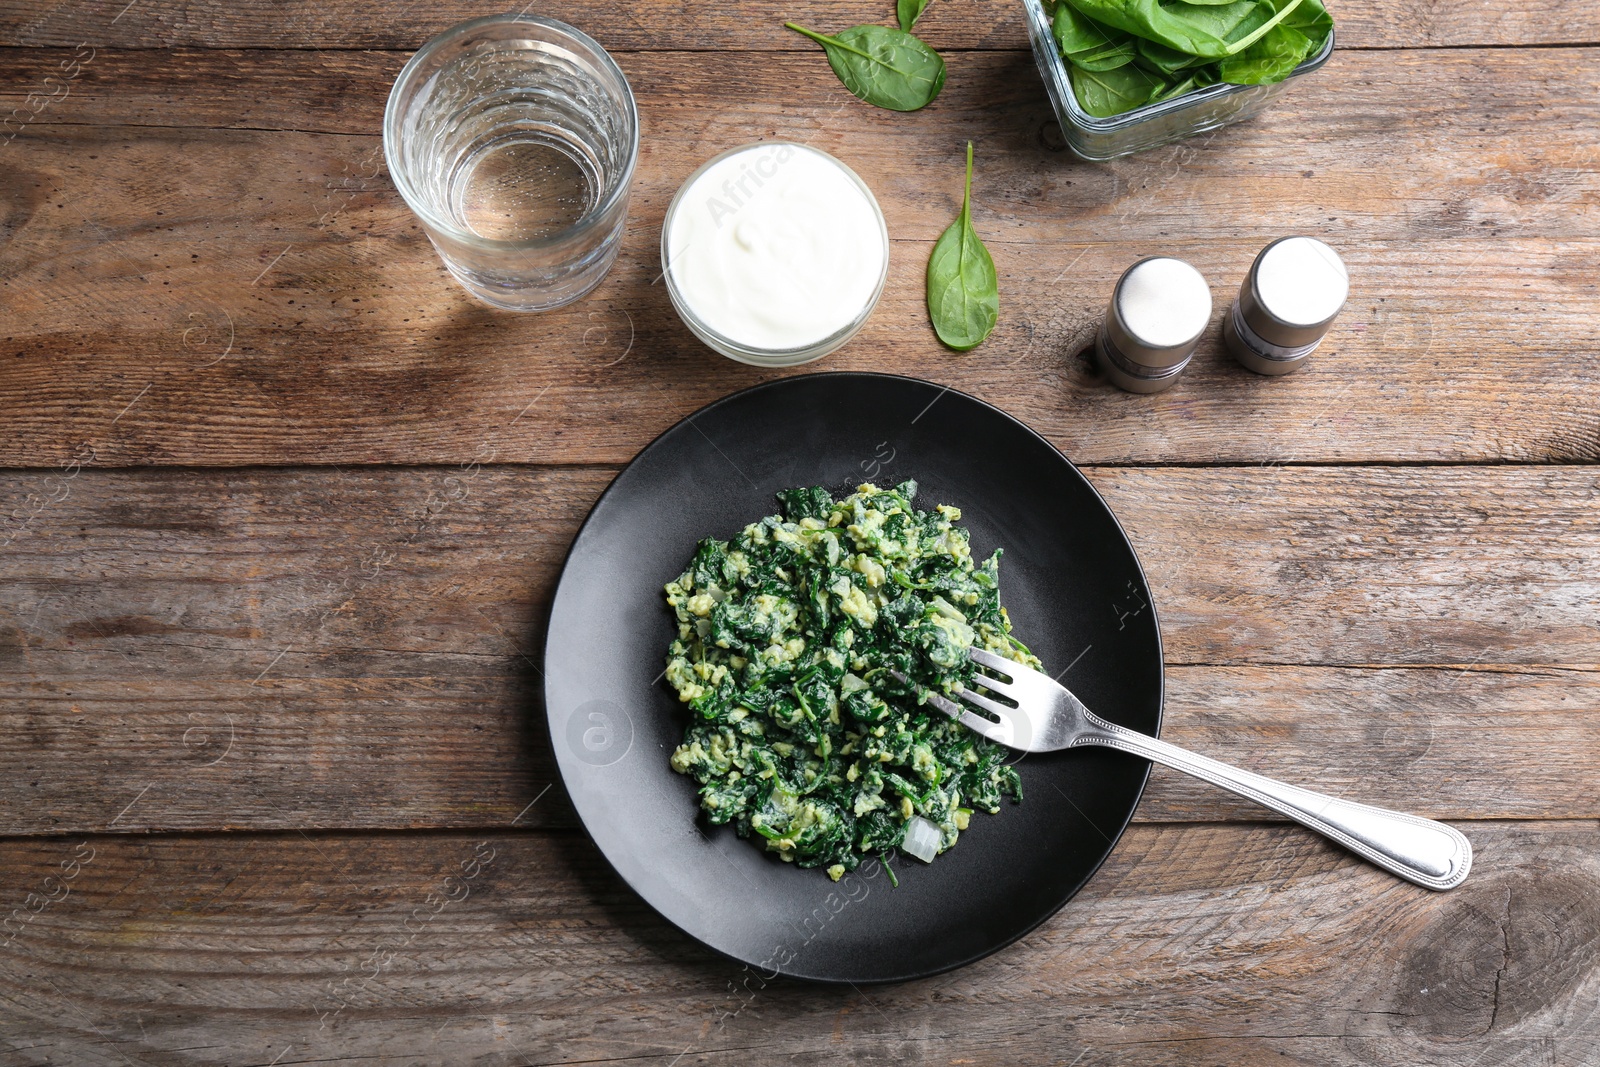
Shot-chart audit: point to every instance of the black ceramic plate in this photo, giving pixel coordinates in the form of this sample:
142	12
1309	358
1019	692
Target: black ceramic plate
1076	596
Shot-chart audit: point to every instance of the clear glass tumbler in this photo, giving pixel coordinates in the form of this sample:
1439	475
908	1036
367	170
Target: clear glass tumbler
514	139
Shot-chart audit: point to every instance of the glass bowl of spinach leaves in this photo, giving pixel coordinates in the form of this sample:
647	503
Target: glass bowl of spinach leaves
1128	75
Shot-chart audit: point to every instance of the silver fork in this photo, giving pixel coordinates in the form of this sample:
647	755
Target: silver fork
1048	718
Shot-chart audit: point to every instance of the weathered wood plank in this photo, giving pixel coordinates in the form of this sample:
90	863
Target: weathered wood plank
234	286
972	24
343	752
1406	565
1194	944
345	92
272	649
1334	566
1433	740
201	263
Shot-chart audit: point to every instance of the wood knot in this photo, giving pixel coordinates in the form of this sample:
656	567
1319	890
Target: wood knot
1499	953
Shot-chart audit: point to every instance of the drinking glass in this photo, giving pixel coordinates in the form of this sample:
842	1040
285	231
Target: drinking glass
513	138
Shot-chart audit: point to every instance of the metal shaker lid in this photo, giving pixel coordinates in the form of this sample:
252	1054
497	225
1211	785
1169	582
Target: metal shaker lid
1294	291
1158	311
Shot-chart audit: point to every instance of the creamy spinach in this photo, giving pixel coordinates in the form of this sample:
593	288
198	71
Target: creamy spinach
788	639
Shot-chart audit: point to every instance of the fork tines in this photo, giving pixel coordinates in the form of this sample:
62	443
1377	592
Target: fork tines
1007	668
970	719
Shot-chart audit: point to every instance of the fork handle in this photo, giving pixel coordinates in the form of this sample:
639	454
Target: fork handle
1420	850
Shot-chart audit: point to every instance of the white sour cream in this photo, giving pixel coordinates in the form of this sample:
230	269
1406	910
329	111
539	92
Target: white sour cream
775	247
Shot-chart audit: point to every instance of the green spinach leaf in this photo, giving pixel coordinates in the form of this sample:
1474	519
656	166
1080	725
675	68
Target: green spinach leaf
1225	23
1209	30
1106	93
910	11
1123	54
887	68
1197	79
1271	59
1076	32
1168	61
1090	45
963	290
1310	18
1109	56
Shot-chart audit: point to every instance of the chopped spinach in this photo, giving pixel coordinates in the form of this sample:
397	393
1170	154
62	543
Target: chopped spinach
1124	54
789	638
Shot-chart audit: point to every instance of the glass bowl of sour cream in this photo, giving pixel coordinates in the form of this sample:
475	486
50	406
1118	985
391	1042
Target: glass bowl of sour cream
774	253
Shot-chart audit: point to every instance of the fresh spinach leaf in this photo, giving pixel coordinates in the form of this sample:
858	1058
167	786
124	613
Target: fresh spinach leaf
1303	31
1076	32
1168	61
1310	18
1197	79
1149	19
1106	93
963	290
1223	22
1090	45
1271	59
1109	56
910	11
1123	54
887	68
1209	30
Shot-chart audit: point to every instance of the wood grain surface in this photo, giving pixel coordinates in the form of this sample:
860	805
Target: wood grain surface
394	753
1212	944
290	311
183	636
1261	564
282	510
346	24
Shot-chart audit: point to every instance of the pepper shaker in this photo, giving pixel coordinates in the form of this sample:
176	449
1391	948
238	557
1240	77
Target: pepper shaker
1295	289
1158	311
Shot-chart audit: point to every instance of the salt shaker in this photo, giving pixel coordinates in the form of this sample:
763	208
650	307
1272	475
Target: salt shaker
1158	311
1294	290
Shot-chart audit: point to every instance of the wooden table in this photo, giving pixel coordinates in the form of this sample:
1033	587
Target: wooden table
283	510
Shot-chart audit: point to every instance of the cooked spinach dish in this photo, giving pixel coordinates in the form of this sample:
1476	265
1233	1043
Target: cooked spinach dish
790	637
1123	54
